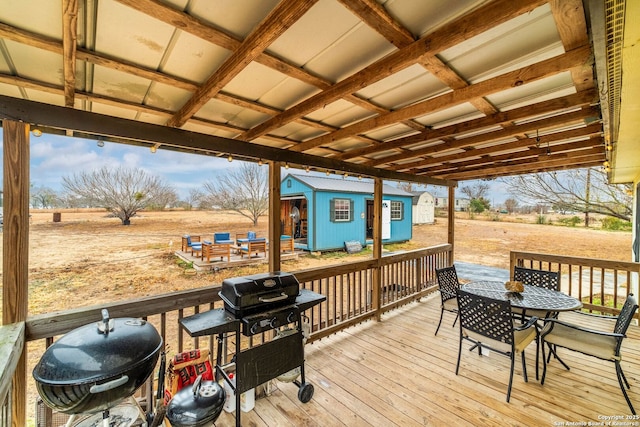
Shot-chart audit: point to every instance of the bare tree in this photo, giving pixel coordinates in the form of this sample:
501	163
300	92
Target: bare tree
510	204
580	190
477	193
244	190
44	197
196	198
123	192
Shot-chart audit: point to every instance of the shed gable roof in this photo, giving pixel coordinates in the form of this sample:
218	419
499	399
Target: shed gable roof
319	183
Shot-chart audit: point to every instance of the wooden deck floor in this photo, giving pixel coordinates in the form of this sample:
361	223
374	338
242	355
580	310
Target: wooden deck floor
397	373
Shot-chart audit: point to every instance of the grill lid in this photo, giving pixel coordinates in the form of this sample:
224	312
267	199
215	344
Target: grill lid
97	351
198	405
251	294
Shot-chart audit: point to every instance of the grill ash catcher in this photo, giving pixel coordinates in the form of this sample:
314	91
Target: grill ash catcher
252	305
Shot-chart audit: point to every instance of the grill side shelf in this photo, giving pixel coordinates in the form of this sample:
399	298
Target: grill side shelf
212	322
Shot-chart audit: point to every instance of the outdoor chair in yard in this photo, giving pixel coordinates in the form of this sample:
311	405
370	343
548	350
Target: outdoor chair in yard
214	250
488	323
600	344
191	243
448	284
540	278
254	246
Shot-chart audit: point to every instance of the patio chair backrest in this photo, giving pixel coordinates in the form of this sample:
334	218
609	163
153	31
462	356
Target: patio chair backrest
251	235
486	316
626	315
540	278
448	282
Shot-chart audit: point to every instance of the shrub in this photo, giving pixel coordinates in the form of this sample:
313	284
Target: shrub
615	224
570	222
541	219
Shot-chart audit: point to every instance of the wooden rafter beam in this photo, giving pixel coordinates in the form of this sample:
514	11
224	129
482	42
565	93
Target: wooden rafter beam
477	22
281	17
572	27
69	42
139	133
513	131
575	58
166	13
505	118
517	146
535	151
588	158
525	169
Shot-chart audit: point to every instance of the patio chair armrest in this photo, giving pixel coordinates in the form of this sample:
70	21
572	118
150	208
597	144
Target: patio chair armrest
552	322
594	315
532	322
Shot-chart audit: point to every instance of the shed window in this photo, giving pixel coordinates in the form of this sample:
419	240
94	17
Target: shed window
396	211
341	210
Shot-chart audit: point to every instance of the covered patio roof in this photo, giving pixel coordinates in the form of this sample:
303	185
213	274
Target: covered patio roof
398	89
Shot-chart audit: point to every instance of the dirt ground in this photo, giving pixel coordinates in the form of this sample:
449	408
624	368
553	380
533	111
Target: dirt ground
88	257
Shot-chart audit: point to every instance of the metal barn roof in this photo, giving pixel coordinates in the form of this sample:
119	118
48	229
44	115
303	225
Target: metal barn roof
320	183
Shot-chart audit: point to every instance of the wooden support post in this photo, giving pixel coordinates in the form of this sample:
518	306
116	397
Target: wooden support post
275	228
15	249
377	247
451	212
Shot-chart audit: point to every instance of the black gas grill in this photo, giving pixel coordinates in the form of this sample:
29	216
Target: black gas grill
248	295
263	301
255	304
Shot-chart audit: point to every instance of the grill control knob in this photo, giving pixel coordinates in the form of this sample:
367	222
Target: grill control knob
274	323
291	317
254	329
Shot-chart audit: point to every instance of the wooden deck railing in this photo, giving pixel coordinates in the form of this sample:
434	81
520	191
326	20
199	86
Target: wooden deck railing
349	288
597	283
11	348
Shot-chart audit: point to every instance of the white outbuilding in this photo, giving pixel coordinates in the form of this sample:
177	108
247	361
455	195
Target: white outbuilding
423	207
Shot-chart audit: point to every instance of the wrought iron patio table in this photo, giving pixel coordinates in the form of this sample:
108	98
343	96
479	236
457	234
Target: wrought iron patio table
532	298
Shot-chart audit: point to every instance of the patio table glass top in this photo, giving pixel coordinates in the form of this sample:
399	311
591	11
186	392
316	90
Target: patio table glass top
533	297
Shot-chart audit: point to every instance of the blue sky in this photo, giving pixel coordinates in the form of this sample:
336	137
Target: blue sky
53	157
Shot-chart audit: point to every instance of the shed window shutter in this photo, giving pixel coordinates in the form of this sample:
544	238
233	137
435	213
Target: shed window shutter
332	210
351	208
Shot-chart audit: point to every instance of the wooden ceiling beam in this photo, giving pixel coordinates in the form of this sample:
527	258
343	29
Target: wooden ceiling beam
576	58
277	22
594	143
529	166
180	140
167	14
69	42
594	129
477	22
375	16
577	100
573	117
572	27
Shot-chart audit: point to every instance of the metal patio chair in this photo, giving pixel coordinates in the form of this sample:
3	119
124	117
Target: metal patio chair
448	284
540	278
489	323
600	344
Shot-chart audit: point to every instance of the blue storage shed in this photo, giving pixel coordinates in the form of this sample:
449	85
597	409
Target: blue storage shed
324	213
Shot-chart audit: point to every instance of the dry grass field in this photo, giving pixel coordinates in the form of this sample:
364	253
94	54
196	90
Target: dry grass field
88	257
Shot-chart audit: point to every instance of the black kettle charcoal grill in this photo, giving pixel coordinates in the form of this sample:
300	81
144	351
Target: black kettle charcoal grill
94	367
255	304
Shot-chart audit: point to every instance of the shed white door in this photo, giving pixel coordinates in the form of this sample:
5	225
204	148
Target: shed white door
386	219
